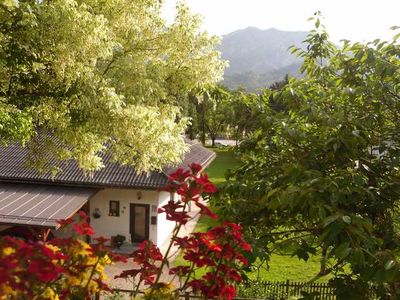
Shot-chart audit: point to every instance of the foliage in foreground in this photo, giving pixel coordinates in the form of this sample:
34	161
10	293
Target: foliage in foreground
322	173
99	76
72	269
58	269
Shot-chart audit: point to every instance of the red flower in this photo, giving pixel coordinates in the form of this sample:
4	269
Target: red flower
83	229
179	175
196	168
206	211
65	222
174	213
147	250
246	247
242	259
193	193
234	275
83	216
117	258
102	286
210	188
180	271
49	253
207	186
101	240
228	292
45	271
128	273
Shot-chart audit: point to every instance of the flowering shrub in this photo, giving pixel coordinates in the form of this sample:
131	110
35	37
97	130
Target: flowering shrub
73	269
218	252
58	269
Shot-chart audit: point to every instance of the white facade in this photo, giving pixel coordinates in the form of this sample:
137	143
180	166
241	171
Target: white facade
165	227
110	224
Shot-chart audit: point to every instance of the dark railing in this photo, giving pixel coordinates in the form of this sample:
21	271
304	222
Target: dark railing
281	290
268	290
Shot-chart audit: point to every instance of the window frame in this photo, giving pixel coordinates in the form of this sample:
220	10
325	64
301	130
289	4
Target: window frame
114	212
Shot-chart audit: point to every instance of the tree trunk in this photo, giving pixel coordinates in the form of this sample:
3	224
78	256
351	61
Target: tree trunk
322	270
203	136
203	127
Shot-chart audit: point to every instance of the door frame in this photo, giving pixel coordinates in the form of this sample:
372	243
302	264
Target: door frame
132	207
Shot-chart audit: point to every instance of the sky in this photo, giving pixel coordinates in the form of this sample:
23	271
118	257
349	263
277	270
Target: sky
355	20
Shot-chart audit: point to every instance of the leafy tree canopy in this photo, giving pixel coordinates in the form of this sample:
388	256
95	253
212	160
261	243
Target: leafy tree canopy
101	76
322	175
212	111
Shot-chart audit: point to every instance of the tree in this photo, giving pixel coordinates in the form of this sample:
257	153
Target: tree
277	86
246	108
212	111
100	76
323	176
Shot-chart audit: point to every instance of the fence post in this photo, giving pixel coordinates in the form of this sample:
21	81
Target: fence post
287	289
187	296
97	296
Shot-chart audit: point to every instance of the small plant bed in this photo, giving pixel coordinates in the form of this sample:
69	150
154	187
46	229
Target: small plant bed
117	241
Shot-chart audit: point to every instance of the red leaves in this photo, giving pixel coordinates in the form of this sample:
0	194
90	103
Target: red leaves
27	268
146	258
190	185
101	240
44	270
219	251
208	187
180	271
204	210
174	212
152	252
179	175
65	222
195	168
246	247
228	292
83	229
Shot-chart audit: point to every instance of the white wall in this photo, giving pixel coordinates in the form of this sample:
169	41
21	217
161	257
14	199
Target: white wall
108	226
165	227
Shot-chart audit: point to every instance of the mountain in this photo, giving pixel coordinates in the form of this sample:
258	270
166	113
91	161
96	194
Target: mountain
257	58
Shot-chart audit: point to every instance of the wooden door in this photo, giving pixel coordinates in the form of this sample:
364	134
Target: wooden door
139	222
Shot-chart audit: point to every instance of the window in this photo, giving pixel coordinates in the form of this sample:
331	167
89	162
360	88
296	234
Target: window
114	208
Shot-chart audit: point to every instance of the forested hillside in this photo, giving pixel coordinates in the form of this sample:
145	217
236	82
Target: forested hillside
258	57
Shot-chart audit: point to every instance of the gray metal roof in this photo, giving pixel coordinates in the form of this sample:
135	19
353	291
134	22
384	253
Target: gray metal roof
13	168
40	205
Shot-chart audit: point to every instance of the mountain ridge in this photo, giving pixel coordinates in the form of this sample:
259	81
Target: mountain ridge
259	57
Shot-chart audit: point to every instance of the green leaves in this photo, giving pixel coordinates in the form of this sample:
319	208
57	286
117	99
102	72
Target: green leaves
325	168
96	72
346	219
389	265
343	250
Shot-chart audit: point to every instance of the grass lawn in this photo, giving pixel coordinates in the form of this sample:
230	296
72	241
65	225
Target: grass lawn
281	267
290	268
225	160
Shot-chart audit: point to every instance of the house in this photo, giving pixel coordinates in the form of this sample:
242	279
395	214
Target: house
118	200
